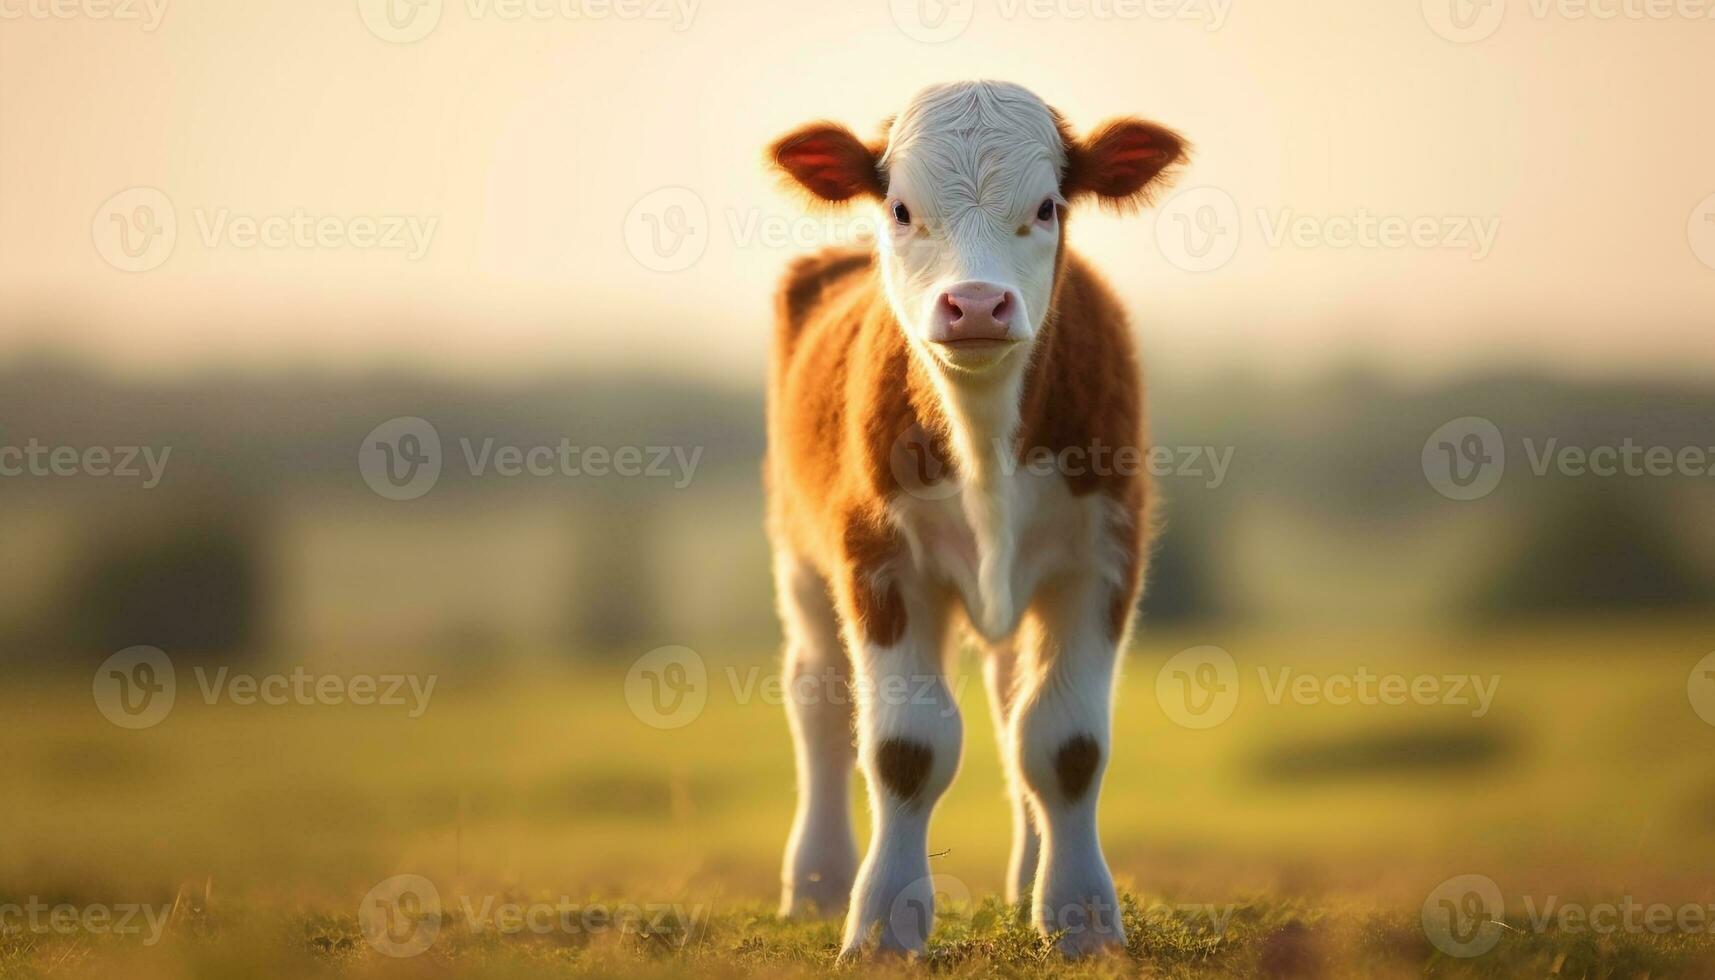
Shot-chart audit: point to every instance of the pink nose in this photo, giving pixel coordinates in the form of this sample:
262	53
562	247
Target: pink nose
973	312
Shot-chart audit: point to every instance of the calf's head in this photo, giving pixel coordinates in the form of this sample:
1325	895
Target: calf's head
971	185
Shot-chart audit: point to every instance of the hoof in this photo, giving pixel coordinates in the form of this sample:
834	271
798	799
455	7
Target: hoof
812	901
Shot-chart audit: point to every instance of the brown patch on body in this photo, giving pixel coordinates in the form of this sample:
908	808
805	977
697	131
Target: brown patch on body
1075	766
845	390
877	607
903	766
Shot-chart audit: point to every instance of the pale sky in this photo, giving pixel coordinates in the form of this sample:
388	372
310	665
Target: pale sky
1558	176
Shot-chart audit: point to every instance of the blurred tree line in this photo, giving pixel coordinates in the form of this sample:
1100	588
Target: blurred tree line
263	533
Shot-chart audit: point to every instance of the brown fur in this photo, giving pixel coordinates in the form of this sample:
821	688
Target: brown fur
1075	766
846	395
903	766
845	390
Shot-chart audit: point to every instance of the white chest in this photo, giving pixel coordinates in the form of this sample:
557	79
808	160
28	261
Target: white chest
996	542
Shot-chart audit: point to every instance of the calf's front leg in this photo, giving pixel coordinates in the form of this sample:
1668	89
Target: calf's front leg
1060	739
909	739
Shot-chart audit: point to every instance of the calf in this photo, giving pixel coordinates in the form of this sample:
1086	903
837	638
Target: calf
950	419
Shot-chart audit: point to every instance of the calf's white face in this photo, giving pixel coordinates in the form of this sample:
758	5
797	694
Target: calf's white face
972	218
973	185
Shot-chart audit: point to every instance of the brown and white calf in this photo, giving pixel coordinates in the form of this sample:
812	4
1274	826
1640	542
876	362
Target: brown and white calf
939	412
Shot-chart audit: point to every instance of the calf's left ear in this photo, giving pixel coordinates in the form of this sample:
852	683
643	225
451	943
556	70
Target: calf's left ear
1122	162
830	163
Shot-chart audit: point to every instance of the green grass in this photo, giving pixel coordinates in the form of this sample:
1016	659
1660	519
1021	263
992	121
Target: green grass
1315	832
1262	938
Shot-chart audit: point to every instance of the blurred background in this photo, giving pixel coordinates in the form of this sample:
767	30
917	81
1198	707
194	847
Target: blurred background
309	267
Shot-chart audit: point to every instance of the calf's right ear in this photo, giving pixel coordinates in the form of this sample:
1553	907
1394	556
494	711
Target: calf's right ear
827	161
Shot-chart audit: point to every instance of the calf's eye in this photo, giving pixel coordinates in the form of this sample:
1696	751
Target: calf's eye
1046	211
900	214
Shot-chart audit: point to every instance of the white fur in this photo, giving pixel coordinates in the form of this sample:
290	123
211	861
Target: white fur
973	162
821	851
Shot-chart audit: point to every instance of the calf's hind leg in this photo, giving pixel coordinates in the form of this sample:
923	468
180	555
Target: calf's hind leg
999	670
821	851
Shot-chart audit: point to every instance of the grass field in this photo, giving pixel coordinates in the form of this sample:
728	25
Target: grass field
1292	839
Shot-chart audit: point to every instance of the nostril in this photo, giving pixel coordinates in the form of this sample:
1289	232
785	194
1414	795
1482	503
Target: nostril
1003	309
950	307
